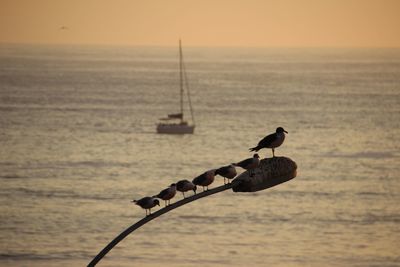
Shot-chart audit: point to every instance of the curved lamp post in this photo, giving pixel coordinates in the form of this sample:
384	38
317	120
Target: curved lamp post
271	172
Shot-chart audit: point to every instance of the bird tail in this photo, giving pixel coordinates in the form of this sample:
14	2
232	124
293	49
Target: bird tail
254	148
234	164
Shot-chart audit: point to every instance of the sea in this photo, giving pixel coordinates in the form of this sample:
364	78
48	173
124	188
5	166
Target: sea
78	142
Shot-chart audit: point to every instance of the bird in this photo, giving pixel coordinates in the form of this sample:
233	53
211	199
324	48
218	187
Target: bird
271	141
184	186
205	179
147	203
228	172
167	194
249	164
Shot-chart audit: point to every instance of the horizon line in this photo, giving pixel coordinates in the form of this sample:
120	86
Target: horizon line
200	46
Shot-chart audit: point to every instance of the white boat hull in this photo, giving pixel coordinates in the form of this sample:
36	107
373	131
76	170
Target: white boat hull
164	128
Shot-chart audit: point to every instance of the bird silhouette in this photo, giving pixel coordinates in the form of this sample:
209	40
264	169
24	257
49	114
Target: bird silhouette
167	194
205	179
249	164
271	141
228	172
147	203
184	186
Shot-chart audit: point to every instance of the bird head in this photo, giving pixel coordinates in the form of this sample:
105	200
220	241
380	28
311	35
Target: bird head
157	202
173	185
280	130
256	156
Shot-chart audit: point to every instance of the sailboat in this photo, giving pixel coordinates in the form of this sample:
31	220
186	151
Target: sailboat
175	123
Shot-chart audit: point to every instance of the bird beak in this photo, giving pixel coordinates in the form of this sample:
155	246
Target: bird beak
285	131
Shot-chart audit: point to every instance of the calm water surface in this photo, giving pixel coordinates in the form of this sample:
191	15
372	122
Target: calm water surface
78	142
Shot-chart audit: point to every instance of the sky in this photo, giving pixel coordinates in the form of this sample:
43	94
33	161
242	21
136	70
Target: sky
260	23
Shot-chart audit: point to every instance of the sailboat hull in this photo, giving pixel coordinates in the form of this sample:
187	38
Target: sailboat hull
175	128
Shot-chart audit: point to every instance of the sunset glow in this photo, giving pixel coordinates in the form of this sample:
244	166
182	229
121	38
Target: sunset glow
353	23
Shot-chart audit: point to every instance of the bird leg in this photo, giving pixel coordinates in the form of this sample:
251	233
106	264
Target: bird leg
273	152
183	193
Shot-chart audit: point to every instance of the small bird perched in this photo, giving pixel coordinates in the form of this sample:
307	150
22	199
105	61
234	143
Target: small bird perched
271	141
184	186
249	164
147	203
228	172
205	179
167	194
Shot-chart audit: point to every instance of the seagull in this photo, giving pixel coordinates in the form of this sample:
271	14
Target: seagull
205	179
167	194
228	172
249	164
271	141
147	203
185	185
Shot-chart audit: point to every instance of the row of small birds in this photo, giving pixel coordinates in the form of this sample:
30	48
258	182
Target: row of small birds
205	179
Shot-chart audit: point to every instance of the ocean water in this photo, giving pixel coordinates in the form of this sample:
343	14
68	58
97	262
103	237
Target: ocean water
78	142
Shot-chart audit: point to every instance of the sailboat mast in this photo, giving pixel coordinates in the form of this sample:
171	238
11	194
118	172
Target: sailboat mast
181	77
188	92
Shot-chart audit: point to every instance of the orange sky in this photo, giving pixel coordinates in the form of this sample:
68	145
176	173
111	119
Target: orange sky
365	23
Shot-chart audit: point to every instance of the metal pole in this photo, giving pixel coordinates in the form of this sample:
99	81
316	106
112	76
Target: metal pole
154	215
